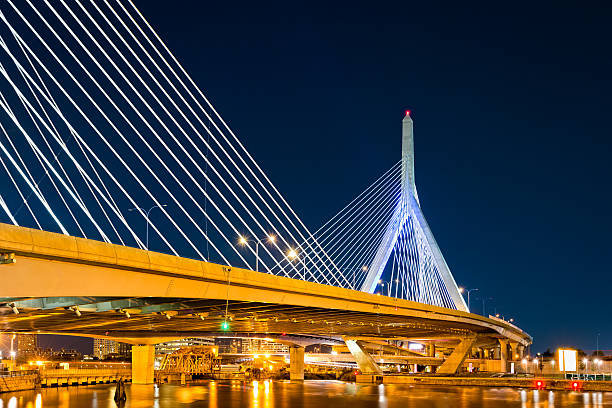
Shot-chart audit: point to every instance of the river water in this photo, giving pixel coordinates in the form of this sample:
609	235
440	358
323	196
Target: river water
310	394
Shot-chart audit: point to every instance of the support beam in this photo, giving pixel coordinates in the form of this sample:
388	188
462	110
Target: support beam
503	355
457	357
143	359
364	360
296	363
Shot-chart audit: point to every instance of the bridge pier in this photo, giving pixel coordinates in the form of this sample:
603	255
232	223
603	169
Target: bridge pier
458	356
503	355
516	353
364	360
296	363
143	361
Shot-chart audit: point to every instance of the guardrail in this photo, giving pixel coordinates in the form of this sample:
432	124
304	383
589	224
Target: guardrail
588	377
17	373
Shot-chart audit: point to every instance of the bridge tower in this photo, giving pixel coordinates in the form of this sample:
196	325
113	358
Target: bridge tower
408	215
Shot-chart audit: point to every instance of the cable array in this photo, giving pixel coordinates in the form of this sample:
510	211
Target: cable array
98	117
104	135
354	236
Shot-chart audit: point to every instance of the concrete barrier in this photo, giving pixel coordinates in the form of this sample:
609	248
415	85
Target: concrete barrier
19	382
533	383
77	376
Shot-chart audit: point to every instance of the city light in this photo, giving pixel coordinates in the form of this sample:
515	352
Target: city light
272	238
225	325
291	253
242	240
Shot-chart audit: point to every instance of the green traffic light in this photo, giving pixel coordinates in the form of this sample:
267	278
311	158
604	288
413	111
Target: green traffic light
225	325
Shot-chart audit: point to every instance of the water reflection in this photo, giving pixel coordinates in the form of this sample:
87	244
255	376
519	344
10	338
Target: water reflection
309	394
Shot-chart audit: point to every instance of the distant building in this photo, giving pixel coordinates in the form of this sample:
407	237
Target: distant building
228	345
104	347
124	350
172	346
263	346
27	345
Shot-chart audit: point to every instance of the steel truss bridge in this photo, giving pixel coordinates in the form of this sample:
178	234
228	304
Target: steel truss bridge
102	131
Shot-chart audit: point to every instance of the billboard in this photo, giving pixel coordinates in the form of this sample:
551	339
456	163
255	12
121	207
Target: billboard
567	360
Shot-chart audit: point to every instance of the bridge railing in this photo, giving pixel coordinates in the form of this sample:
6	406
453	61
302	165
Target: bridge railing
86	372
17	373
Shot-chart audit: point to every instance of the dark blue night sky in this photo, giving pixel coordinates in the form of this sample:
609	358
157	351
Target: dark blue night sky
511	106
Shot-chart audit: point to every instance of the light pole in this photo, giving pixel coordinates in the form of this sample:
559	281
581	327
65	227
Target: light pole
292	254
383	283
244	241
13	350
147	212
461	290
353	271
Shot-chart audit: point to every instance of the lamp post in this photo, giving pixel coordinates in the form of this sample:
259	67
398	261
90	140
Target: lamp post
147	212
383	283
244	241
461	290
13	350
293	254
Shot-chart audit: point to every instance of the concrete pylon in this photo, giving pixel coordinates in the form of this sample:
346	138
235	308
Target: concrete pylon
296	363
143	364
409	206
503	355
458	356
516	355
364	360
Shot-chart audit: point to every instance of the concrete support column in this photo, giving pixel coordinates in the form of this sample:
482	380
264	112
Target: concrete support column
364	360
296	363
516	356
487	353
453	362
503	355
431	350
143	361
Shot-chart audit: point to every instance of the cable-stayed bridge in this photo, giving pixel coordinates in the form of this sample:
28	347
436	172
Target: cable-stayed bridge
103	131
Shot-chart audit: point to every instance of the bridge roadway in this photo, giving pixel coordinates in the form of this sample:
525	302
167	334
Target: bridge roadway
67	285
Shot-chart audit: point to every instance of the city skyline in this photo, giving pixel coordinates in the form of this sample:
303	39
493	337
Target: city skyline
493	175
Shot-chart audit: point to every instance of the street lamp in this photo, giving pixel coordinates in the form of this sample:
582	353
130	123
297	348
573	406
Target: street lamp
461	290
244	241
147	212
293	254
13	354
383	283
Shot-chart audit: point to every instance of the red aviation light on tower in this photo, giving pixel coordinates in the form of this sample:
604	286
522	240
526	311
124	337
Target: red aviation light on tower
408	112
